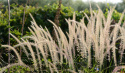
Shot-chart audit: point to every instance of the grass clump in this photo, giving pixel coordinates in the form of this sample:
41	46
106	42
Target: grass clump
85	47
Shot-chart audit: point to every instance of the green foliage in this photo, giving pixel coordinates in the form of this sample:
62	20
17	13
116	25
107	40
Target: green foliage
115	16
18	69
75	4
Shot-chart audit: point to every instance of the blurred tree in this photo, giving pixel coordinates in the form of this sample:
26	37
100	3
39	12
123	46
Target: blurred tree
22	2
1	4
123	1
67	2
120	6
78	5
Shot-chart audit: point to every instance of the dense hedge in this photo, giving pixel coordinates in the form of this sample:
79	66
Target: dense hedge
41	15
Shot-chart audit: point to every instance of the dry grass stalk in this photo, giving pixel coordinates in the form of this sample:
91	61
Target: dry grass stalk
118	68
